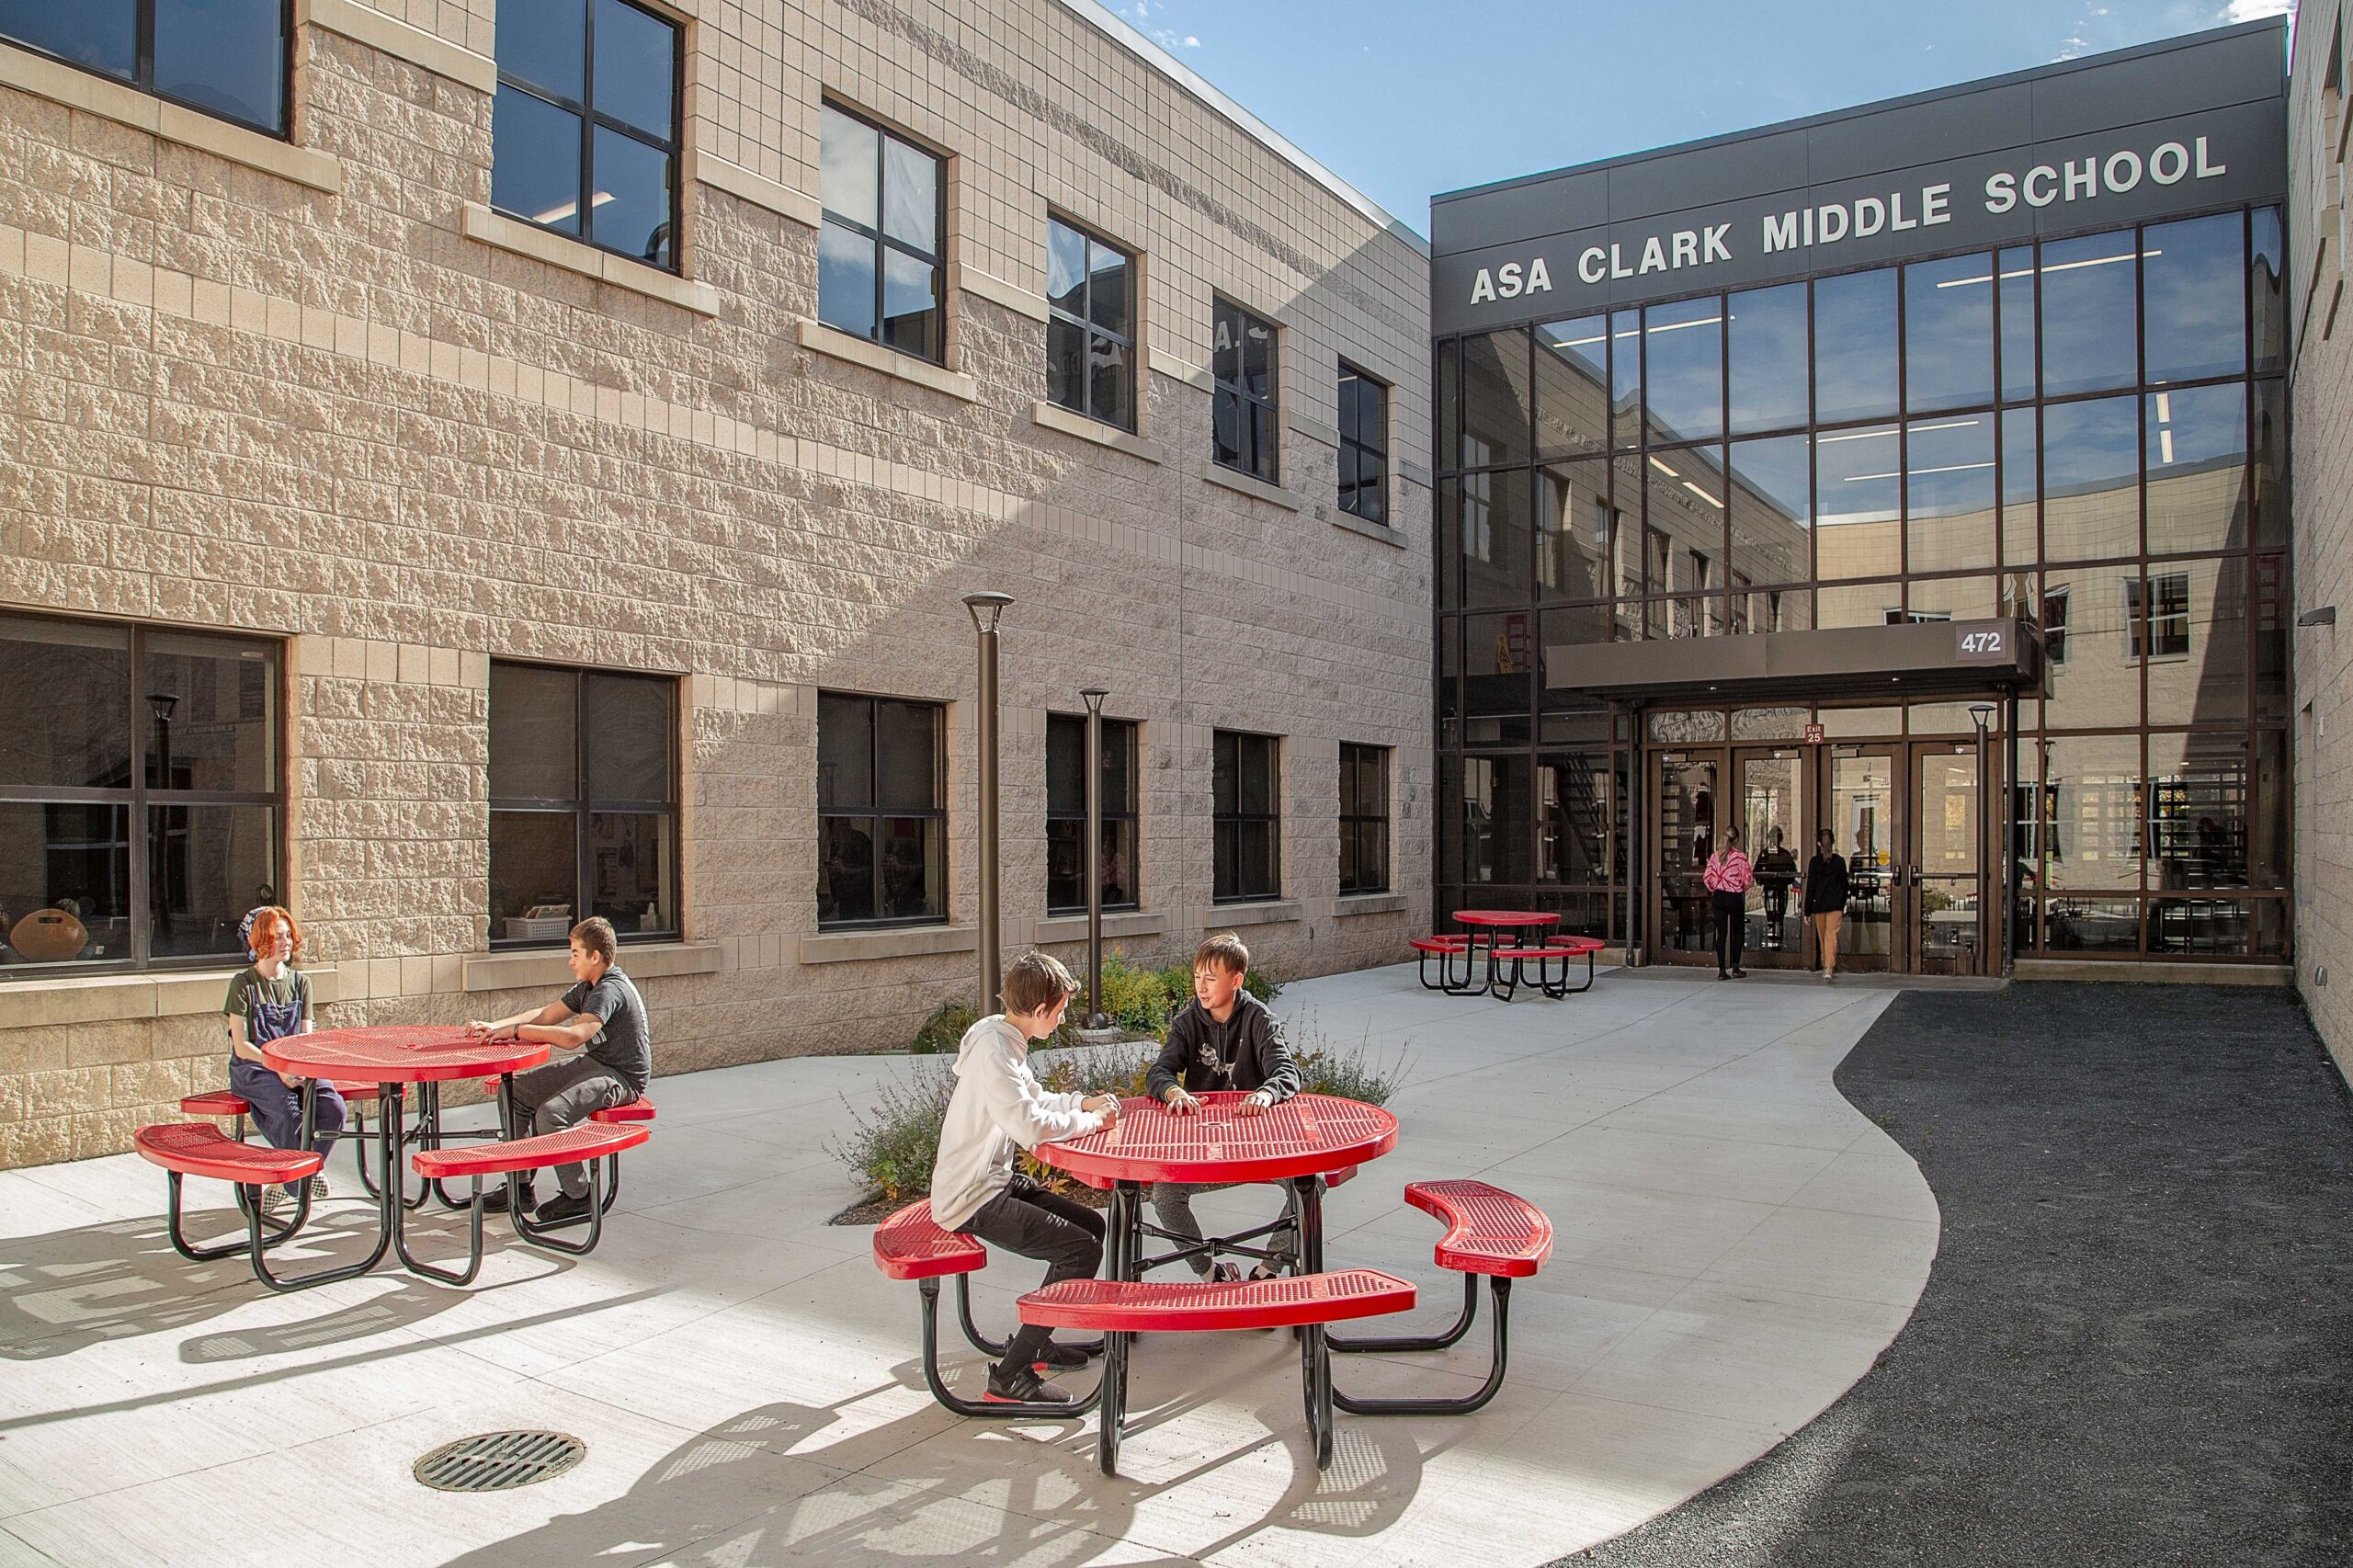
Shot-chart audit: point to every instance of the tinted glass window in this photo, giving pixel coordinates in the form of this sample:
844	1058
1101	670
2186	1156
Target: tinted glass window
98	35
1949	332
846	281
1495	399
2196	466
1244	434
878	250
1853	346
2192	311
537	171
2267	270
2018	336
228	56
1683	347
1948	493
1572	530
1764	357
1088	349
613	65
850	177
633	195
545	43
1626	378
2091	465
636	67
1572	387
1772	509
2020	524
1858	491
2087	315
1494	522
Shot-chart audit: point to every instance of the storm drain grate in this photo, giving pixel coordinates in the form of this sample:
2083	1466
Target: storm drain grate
499	1461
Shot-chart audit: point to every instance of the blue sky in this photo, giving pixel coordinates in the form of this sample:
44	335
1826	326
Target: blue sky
1405	99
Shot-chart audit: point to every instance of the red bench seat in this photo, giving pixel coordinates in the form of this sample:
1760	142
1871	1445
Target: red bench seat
1150	1306
214	1102
1488	1231
199	1148
638	1109
587	1140
911	1245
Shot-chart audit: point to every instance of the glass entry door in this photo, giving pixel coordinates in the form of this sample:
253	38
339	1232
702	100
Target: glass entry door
1947	909
1685	787
1776	828
1860	811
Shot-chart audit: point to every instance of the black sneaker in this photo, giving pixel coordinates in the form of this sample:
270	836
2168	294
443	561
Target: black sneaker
495	1201
1739	973
1020	1385
562	1207
1060	1358
1224	1273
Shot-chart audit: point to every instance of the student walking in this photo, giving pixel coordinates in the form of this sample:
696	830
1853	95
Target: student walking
1825	900
1727	877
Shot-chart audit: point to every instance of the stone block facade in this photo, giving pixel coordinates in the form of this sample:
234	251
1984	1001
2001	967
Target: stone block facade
318	391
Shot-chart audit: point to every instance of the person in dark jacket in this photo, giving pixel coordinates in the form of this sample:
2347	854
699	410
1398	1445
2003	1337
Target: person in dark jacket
1825	900
1223	1039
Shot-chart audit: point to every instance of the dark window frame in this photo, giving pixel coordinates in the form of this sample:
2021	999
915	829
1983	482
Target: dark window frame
873	813
591	121
1084	322
1352	755
1128	812
142	79
1269	469
1226	825
1354	447
884	244
138	797
582	805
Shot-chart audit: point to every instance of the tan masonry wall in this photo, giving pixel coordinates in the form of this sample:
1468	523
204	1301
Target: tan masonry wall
319	391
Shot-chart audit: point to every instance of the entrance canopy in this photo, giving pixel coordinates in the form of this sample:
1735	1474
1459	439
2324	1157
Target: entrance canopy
1948	658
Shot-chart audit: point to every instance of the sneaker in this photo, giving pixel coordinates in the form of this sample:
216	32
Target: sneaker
1060	1358
275	1200
1739	973
1020	1385
1224	1273
562	1207
319	1193
1722	975
1829	976
495	1201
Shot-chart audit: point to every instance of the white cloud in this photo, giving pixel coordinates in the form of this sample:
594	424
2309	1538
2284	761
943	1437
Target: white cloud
2256	10
1169	38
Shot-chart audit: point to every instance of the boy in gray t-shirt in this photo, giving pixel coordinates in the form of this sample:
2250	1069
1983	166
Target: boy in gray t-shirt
602	1018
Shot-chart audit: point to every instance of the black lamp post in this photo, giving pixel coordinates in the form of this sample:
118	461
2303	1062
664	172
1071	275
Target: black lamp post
987	607
159	845
1094	695
1982	715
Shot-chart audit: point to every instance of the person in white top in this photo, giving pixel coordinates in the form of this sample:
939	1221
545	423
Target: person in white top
1000	1106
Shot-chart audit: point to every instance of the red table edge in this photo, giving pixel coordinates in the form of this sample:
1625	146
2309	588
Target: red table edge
528	1053
1274	1167
1506	917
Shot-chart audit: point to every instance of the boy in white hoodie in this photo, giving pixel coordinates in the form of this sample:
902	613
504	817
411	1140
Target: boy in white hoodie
999	1104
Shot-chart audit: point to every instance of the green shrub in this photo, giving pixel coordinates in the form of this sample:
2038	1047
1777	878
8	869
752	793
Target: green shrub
945	1028
892	1147
1136	998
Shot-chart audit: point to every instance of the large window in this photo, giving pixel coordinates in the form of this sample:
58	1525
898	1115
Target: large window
1364	445
881	811
226	57
584	803
1247	433
584	132
880	251
1066	814
1247	808
1090	325
139	794
1364	818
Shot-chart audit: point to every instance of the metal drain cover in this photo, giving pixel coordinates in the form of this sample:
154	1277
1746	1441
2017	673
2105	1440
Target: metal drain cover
499	1461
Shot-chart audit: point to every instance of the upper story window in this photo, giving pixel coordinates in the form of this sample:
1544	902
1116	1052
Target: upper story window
583	793
141	798
1364	445
881	811
1243	365
226	57
585	133
879	255
1090	328
1066	814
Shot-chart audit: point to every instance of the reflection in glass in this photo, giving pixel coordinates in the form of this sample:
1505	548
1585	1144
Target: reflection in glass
2268	498
1857	489
2206	927
1499	656
65	883
1684	351
1497	818
1860	816
1950	598
1685	819
630	211
1627	533
2020	544
2268	846
1686	518
225	55
1572	830
1495	399
850	175
207	866
65	715
1771	492
910	195
914	870
1493	523
534	162
2091	459
2087	315
632	882
98	35
1860	604
2193	312
2266	276
2017	312
2093	672
1447	400
1573	388
545	43
210	715
1764	358
2091	924
2199	805
534	749
636	67
2197	460
1854	346
1948	493
846	280
1626	378
1572	530
1948	332
2273	616
2196	642
911	305
2092	798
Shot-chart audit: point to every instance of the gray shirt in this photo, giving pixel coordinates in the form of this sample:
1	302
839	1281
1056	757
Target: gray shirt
625	1044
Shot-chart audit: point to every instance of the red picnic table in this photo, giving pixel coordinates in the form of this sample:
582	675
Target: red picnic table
1494	922
1300	1143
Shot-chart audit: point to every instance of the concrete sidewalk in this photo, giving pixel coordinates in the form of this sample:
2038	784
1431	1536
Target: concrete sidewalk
1736	1244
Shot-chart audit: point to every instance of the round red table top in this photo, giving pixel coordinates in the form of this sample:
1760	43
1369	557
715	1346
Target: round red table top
400	1053
1305	1135
1506	917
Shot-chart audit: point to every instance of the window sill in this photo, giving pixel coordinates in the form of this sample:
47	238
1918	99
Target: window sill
103	998
900	942
1369	903
1054	416
1357	525
1257	489
819	338
525	970
1224	915
511	235
35	73
1124	922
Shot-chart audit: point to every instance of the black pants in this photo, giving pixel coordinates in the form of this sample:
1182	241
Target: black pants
1026	1219
1731	928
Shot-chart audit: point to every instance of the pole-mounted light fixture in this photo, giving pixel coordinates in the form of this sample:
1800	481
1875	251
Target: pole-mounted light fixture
1094	695
986	610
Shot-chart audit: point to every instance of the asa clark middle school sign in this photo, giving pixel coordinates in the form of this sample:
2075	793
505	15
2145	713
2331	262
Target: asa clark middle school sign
1943	208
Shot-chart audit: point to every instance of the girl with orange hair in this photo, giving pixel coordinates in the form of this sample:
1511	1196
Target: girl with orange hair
269	1000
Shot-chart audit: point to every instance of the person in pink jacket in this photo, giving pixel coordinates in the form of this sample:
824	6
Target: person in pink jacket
1727	877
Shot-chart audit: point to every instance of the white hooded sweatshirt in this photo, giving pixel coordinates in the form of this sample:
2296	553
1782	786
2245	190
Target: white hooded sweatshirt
998	1103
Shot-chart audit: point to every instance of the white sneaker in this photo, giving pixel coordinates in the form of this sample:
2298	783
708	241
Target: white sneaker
319	1193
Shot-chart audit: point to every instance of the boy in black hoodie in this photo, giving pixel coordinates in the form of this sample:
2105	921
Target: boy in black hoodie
1223	1039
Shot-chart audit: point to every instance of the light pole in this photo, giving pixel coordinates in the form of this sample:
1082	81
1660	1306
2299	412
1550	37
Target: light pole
985	609
1980	714
159	838
1094	695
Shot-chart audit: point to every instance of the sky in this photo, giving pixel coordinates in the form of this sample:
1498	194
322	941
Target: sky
1407	99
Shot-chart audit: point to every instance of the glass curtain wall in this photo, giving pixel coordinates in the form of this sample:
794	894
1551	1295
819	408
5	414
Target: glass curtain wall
2089	431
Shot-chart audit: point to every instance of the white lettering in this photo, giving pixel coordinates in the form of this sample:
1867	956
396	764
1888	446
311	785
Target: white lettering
2001	192
1895	218
1590	262
1507	280
1808	225
1870	217
1829	237
2159	169
2050	179
1653	255
1540	281
1714	242
2207	170
1934	198
1618	267
1780	233
1687	248
2120	184
1483	288
2085	180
